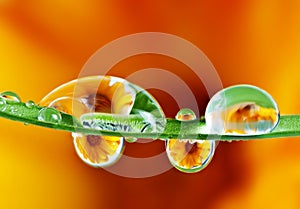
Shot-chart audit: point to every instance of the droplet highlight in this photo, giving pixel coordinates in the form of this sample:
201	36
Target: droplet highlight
49	115
241	110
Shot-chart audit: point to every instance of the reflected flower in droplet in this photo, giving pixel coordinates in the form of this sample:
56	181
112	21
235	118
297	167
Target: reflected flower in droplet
94	94
189	155
241	110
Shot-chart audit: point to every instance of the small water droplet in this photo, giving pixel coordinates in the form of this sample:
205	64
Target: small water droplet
2	104
189	155
49	115
241	110
30	104
131	139
185	114
11	96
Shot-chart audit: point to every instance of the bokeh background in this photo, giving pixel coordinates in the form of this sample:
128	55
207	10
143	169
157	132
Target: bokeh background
45	43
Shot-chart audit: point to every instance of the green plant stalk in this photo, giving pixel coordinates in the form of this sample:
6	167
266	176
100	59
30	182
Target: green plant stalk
289	125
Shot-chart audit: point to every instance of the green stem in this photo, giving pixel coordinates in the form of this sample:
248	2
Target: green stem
289	125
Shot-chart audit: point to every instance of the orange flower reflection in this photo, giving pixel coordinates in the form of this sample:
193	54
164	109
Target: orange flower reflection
189	154
94	94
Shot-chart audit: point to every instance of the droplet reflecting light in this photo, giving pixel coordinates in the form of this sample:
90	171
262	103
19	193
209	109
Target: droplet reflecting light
241	110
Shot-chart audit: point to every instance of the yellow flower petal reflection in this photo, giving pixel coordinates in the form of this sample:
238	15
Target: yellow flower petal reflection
190	155
105	94
98	151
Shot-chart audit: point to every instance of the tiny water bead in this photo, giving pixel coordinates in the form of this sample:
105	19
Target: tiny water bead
131	139
30	104
241	110
185	114
48	114
189	155
11	96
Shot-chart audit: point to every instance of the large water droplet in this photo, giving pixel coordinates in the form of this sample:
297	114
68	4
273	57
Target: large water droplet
11	96
49	115
2	104
241	110
189	155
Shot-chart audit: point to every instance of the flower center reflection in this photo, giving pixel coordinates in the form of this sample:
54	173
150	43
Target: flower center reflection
93	140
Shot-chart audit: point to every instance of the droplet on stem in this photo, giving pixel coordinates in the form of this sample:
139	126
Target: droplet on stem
11	96
185	114
241	110
30	104
51	115
189	155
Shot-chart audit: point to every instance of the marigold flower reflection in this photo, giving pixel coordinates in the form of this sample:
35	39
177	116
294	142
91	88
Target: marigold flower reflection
241	110
94	94
190	155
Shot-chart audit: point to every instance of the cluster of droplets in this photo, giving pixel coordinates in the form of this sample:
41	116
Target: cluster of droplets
85	97
45	114
235	111
240	110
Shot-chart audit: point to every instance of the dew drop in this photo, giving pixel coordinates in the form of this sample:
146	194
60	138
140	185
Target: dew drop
185	114
241	110
11	96
2	104
131	139
49	115
189	155
30	104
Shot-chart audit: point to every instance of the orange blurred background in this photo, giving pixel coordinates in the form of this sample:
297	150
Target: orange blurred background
45	43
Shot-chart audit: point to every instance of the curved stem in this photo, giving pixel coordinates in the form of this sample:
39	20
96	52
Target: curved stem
288	126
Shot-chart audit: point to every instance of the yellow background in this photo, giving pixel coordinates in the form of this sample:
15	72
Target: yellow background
45	43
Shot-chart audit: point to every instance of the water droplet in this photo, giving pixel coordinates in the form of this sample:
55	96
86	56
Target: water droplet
241	110
98	151
131	139
30	104
185	114
190	156
2	104
49	115
11	96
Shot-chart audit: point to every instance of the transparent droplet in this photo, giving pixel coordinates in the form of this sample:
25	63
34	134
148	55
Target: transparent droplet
185	114
49	115
30	104
241	110
131	139
11	96
2	104
190	156
98	151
